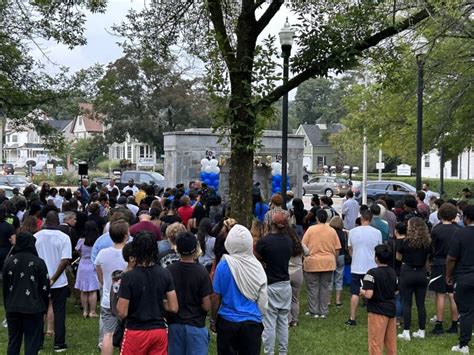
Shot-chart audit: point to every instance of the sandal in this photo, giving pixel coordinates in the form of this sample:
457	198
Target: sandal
49	334
93	315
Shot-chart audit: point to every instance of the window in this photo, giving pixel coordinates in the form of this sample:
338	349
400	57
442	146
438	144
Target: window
14	138
312	181
117	153
81	123
321	160
454	167
129	152
305	143
145	151
427	161
377	186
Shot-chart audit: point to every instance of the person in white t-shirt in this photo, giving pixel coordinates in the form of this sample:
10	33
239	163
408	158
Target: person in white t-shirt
130	187
109	260
54	247
362	243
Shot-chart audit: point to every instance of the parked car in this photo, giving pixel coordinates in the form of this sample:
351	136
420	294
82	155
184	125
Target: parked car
139	177
327	185
14	181
396	190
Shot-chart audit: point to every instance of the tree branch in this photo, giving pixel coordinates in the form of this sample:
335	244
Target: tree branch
322	66
267	16
217	18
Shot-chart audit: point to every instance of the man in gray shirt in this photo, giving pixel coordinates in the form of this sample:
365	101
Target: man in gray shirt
350	211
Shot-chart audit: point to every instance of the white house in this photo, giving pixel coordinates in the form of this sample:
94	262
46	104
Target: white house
84	126
138	153
460	168
23	143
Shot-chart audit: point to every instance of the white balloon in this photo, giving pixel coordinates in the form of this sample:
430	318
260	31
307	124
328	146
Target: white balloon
278	171
277	165
274	172
215	169
208	169
203	169
204	162
274	165
213	162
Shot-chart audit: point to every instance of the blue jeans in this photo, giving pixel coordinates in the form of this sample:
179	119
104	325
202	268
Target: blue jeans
398	303
185	339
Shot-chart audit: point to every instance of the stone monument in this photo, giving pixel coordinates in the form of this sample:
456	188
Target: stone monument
184	151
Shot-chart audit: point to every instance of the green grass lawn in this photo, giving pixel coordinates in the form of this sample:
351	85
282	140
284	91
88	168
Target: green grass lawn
313	336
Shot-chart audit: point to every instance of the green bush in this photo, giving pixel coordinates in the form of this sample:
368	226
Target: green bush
107	165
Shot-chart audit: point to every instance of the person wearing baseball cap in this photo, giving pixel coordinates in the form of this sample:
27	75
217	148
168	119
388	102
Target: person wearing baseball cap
187	328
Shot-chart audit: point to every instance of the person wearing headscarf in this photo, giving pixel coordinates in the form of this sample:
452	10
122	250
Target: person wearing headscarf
274	250
240	296
25	294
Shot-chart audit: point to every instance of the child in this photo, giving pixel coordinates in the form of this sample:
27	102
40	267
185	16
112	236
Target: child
380	288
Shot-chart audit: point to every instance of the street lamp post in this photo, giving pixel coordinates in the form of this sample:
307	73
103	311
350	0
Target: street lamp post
420	51
286	40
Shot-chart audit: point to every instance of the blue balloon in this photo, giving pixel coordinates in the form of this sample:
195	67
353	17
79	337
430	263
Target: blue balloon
277	178
207	182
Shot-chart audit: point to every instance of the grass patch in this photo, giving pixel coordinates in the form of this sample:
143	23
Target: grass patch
313	336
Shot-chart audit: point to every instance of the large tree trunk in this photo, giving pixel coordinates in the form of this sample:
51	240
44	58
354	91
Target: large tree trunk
241	178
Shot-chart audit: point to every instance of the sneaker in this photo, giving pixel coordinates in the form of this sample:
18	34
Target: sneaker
322	316
420	334
60	348
5	324
438	329
293	324
338	305
309	314
459	349
452	329
351	322
433	319
404	336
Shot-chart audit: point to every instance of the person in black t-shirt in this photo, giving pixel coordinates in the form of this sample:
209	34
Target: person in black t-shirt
145	293
460	268
413	252
274	250
380	287
310	218
187	332
441	236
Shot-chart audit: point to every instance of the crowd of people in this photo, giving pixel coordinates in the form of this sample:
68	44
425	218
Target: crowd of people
161	264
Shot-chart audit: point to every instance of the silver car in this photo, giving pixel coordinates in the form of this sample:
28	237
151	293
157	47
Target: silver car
326	185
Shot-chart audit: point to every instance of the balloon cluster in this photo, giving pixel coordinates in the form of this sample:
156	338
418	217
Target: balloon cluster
277	178
210	173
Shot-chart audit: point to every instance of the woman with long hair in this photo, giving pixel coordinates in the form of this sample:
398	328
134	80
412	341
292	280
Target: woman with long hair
413	251
299	213
30	224
206	242
86	280
44	193
296	275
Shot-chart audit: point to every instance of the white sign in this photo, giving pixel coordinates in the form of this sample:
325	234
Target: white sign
380	166
41	159
404	170
146	162
49	166
59	170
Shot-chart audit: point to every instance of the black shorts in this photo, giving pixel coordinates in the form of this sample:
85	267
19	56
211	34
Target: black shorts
438	280
356	283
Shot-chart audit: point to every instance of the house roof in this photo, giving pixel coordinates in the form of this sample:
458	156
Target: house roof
317	133
92	125
58	125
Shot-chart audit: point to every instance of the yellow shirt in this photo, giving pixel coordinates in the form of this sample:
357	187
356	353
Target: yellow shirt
139	196
323	244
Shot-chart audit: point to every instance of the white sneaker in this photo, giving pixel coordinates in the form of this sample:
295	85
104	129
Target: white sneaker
322	316
5	324
420	334
433	319
405	335
458	349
